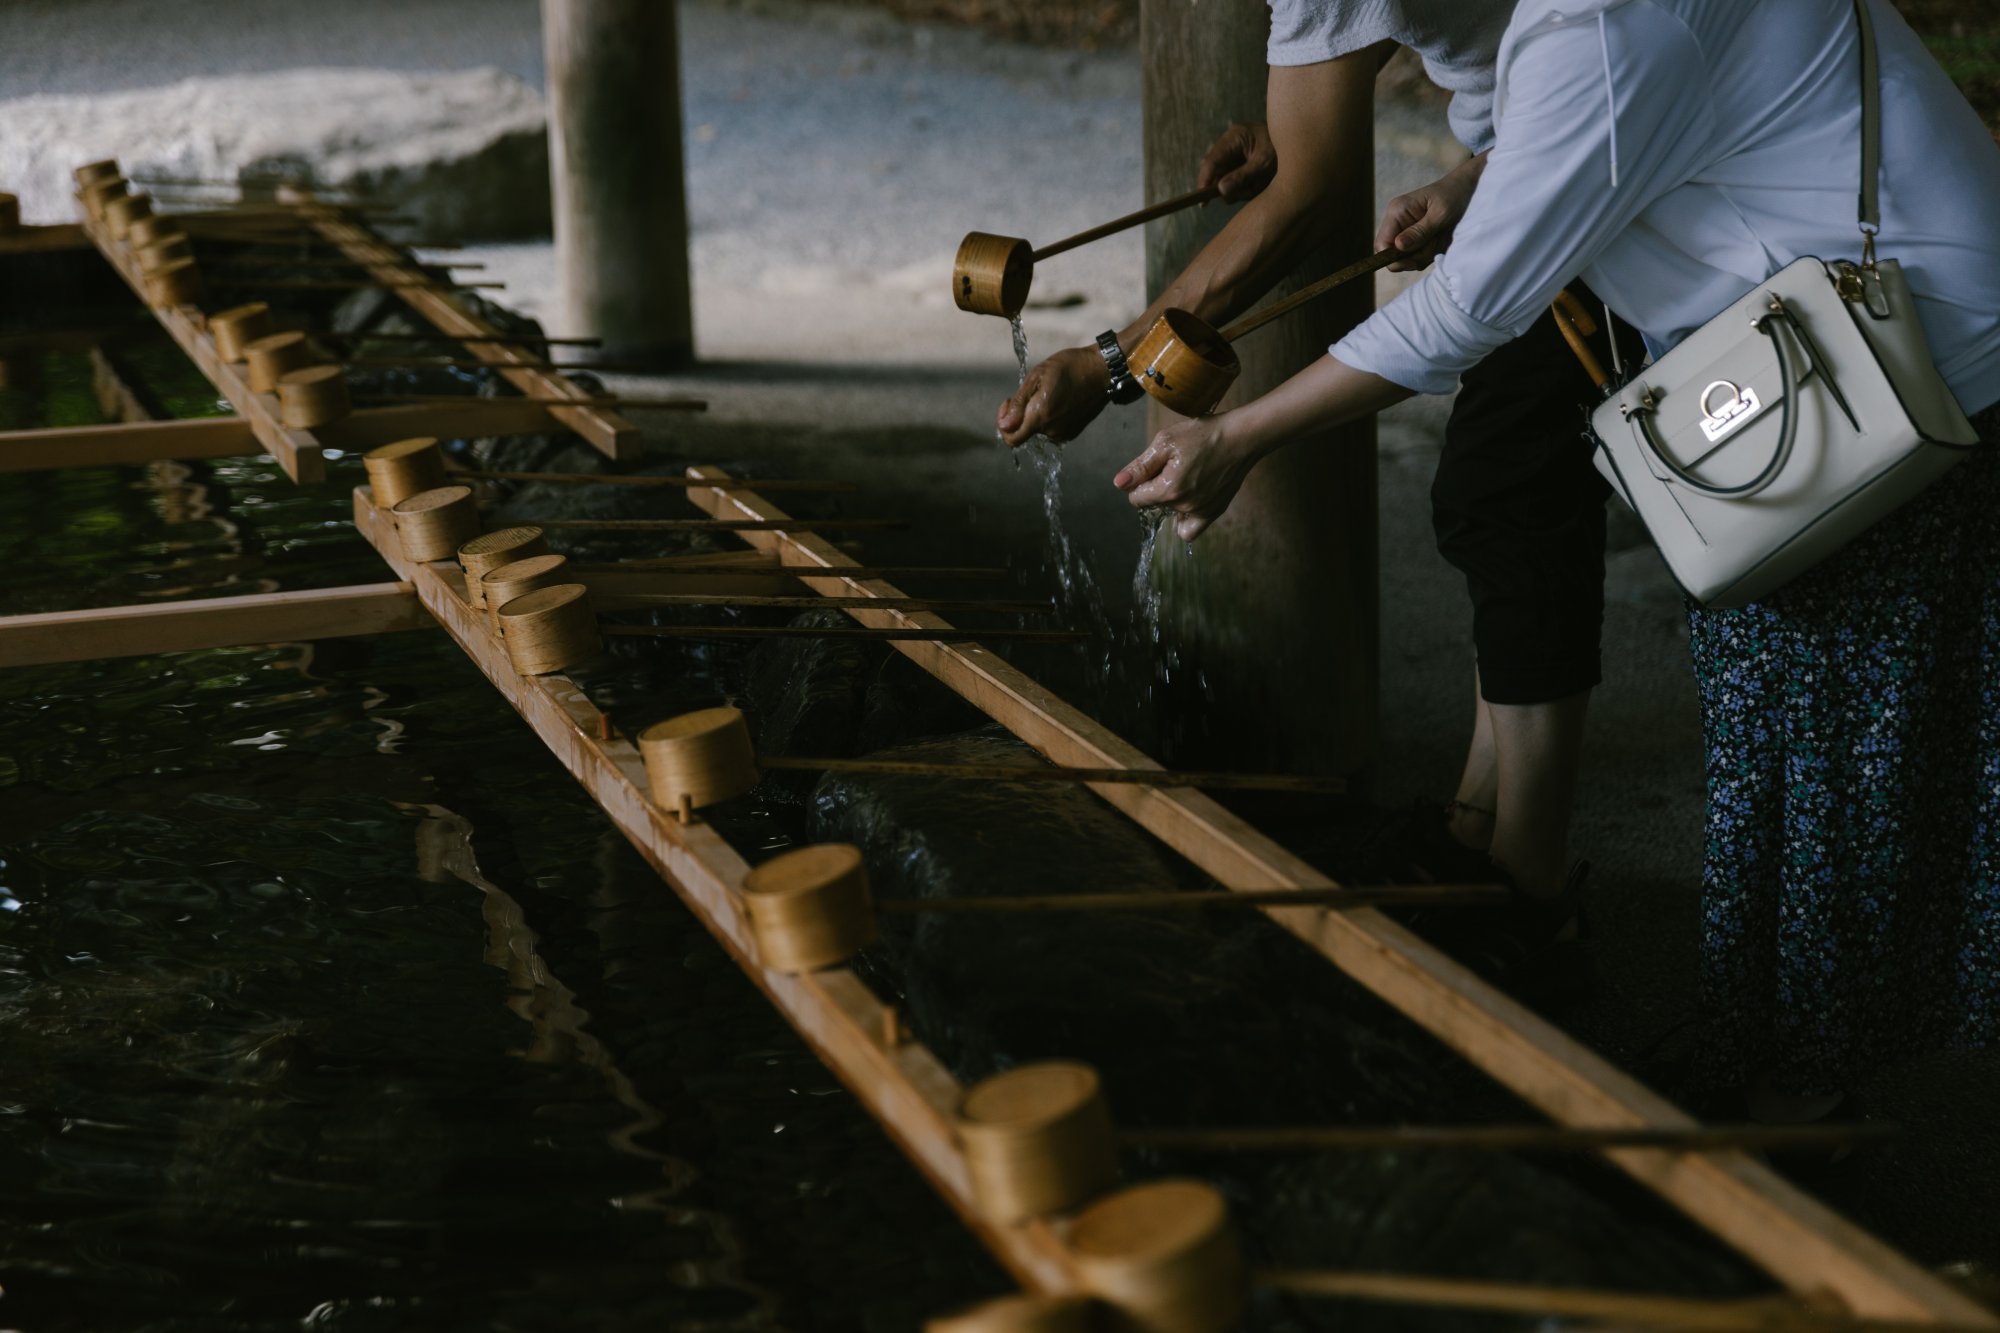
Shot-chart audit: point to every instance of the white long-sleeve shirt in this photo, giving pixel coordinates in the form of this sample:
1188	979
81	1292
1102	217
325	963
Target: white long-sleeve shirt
1459	41
1675	153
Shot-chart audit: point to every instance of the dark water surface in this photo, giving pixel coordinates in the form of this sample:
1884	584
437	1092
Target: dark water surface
328	1000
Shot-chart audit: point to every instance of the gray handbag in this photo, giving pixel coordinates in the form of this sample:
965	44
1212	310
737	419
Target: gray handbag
1793	421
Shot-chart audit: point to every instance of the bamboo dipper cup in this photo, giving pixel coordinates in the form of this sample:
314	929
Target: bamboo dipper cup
1018	1314
313	396
153	227
156	255
1037	1140
433	524
810	908
274	354
991	274
1188	366
699	758
101	192
503	585
550	629
90	173
10	214
240	325
1164	1257
120	213
489	551
399	470
177	282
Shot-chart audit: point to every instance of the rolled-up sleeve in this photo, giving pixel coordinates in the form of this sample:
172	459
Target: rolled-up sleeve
1597	120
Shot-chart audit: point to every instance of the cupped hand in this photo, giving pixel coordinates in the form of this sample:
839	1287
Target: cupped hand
1421	222
1192	468
1240	163
1058	399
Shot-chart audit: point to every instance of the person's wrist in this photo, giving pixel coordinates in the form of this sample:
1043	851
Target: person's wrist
1120	384
1245	436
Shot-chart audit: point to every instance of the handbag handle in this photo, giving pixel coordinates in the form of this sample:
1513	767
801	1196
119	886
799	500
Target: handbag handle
1788	429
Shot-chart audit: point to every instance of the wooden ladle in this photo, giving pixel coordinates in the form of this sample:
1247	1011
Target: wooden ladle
1188	365
992	274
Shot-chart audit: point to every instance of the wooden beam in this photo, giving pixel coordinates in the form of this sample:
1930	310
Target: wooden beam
297	451
1794	1237
901	1083
607	431
44	240
125	443
228	437
215	622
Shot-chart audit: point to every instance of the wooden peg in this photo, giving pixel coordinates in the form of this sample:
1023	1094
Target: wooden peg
237	327
1187	365
895	1034
809	908
156	255
489	551
1019	1314
401	469
433	524
697	759
153	227
1164	1256
518	578
177	282
121	212
92	172
10	214
1037	1140
101	192
274	354
550	629
313	396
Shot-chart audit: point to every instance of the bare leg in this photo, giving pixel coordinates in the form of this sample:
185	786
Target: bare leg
1472	810
1538	749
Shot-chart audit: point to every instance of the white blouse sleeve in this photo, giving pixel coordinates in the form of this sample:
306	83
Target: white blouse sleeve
1597	120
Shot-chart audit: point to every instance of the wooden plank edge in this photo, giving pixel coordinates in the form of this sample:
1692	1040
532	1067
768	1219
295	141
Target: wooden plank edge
297	451
1793	1236
907	1089
213	622
610	433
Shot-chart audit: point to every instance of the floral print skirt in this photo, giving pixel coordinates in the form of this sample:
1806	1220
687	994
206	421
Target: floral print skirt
1851	878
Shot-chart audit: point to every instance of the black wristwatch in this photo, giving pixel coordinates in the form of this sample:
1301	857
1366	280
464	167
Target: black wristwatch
1124	389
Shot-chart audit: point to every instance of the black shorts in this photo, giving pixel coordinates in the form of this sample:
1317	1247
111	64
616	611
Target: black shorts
1519	510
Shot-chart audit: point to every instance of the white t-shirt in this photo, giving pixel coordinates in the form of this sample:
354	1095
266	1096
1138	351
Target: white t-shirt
1676	153
1459	41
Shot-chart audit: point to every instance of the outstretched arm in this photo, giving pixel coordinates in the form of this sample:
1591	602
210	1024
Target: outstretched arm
1195	467
1306	106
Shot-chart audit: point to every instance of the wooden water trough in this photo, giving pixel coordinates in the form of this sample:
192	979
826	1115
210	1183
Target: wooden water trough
1850	1278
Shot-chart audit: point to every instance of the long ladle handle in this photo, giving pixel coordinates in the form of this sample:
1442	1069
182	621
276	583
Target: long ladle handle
1259	318
1147	214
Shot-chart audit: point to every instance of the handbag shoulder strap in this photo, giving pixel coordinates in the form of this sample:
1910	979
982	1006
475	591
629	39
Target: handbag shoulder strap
1871	128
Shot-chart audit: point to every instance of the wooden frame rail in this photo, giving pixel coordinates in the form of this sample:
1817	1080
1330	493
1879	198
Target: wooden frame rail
609	433
297	451
1791	1235
209	622
230	437
899	1081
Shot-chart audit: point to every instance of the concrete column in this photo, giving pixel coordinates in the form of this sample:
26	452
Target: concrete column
616	175
1276	605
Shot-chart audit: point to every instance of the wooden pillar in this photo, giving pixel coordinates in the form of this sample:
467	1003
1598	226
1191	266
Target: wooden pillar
1274	610
620	200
